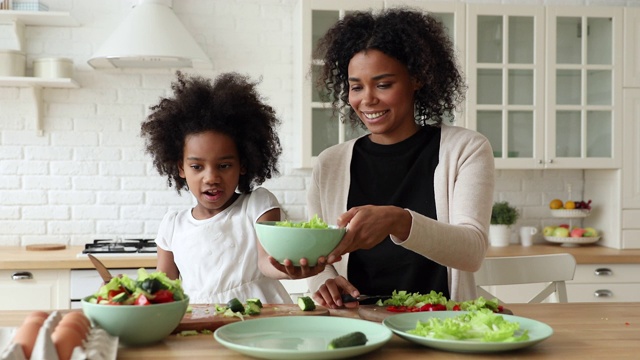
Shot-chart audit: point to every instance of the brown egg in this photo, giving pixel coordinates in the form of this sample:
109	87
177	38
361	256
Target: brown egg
34	319
65	339
26	335
75	326
78	319
38	314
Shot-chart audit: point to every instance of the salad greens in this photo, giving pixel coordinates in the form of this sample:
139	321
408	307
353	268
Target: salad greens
149	288
405	301
314	223
481	325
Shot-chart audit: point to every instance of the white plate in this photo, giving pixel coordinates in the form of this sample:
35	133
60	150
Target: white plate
399	324
572	241
573	213
299	337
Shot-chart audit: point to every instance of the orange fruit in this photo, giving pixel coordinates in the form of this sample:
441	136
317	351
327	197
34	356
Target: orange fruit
570	205
555	204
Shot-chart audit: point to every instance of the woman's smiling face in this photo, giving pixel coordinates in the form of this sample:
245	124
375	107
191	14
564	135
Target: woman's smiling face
381	92
211	166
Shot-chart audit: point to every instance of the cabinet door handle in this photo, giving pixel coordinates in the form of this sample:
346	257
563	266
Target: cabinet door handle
603	272
550	161
22	275
603	293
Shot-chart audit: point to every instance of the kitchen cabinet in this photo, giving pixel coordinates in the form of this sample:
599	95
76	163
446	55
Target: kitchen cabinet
545	95
318	128
632	47
631	170
34	289
605	283
18	20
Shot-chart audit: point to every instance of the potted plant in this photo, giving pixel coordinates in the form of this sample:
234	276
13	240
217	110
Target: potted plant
503	215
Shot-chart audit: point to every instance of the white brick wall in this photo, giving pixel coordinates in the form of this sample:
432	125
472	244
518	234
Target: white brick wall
88	176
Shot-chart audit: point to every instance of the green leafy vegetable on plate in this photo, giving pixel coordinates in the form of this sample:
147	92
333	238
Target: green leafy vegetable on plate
482	325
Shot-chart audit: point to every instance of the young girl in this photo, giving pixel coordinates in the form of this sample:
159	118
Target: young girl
217	140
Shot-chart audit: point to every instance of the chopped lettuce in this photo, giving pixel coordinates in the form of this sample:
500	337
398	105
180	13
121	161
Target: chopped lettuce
404	298
481	325
138	287
314	223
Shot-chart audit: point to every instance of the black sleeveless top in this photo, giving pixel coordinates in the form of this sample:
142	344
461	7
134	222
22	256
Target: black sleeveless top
402	175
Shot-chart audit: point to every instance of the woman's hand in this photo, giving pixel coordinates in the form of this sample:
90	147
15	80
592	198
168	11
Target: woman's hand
369	225
330	293
299	272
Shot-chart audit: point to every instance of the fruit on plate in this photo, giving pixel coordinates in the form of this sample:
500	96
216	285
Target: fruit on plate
590	232
566	226
583	205
569	205
548	230
577	232
556	204
561	232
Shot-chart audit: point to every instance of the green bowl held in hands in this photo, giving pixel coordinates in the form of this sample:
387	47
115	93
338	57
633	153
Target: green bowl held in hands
295	243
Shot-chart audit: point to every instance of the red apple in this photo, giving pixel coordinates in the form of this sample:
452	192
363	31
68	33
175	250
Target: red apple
577	232
566	226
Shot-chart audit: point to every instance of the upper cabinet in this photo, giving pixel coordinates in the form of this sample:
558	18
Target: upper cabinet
317	125
545	85
505	99
632	47
584	87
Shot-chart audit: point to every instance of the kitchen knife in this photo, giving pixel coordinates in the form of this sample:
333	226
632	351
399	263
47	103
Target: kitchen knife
348	298
102	270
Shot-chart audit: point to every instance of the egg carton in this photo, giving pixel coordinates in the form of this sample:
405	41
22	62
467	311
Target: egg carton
99	345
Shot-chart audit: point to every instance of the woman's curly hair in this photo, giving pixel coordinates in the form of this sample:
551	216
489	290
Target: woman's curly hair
416	39
229	105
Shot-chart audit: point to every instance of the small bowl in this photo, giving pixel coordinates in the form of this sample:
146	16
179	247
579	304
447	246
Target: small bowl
295	243
136	324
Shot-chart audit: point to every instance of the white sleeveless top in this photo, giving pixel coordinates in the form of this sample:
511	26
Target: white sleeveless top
218	257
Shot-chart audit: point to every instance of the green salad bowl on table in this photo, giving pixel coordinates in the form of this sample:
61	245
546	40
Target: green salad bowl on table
295	243
137	325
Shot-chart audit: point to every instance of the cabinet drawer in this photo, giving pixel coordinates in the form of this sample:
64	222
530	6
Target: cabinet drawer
606	273
603	292
34	289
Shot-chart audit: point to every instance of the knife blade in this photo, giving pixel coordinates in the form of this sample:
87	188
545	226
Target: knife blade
348	298
102	270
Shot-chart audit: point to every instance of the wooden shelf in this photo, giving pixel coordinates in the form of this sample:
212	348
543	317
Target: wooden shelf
26	81
38	18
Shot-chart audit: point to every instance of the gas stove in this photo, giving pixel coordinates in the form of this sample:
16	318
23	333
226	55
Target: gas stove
121	247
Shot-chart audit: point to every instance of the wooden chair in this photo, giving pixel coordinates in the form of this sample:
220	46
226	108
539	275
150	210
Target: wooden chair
552	269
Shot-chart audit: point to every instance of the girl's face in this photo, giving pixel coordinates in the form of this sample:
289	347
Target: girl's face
381	92
212	169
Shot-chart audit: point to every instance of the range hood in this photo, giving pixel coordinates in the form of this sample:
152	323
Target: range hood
151	36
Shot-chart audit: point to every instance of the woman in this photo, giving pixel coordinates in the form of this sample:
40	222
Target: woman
415	194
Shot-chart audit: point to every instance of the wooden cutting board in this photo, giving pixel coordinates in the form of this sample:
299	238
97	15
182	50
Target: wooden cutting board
204	317
379	313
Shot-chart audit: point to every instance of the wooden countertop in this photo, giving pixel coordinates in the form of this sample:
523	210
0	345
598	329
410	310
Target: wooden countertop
581	331
16	257
584	254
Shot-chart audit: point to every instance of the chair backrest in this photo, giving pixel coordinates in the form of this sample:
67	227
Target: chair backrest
553	269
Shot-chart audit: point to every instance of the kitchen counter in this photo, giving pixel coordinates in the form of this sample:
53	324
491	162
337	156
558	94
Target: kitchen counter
584	254
581	331
17	257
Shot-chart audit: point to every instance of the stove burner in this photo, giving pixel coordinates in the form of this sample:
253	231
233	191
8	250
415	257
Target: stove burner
120	246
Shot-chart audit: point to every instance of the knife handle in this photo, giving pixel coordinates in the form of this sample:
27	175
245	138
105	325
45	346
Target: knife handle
346	298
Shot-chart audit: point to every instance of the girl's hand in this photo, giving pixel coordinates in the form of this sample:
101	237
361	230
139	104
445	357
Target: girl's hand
369	225
299	272
329	294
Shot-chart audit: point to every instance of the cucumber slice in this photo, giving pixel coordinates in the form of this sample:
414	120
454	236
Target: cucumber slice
251	308
352	339
235	305
255	301
306	303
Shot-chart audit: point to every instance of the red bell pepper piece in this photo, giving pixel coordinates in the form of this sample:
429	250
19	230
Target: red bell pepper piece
163	296
142	300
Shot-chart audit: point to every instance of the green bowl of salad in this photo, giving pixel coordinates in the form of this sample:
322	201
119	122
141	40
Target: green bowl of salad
296	240
138	312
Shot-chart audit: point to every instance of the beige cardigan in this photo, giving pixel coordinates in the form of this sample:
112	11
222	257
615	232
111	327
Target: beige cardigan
464	181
